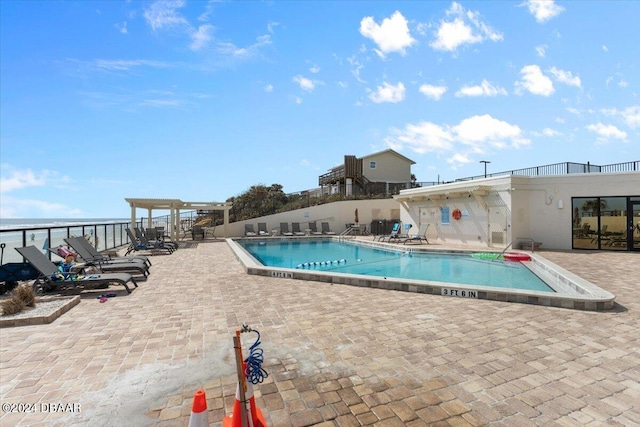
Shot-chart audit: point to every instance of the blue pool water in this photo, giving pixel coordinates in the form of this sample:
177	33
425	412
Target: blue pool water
337	257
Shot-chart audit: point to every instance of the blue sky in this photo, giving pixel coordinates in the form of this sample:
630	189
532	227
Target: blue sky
199	100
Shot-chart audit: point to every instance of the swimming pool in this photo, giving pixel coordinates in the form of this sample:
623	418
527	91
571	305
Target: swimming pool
348	258
387	266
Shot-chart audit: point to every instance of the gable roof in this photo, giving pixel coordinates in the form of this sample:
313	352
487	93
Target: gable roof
389	150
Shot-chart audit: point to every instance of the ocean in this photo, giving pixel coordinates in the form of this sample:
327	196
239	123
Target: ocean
35	231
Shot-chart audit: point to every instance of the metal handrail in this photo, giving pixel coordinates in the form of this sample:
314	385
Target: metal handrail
533	243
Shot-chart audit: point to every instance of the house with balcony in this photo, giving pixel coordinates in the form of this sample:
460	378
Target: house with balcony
385	172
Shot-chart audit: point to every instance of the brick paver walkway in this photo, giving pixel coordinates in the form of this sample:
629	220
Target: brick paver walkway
336	355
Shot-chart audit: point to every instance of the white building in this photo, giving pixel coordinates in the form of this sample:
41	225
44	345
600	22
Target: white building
595	210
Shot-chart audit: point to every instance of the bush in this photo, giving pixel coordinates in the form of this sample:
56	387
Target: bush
22	297
26	294
12	305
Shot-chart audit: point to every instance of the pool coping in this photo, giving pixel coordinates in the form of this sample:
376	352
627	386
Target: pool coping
571	290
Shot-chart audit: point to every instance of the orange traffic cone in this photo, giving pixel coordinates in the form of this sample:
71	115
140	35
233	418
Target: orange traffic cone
198	416
235	419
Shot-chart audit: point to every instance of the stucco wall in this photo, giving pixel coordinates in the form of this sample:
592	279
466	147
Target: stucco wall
337	214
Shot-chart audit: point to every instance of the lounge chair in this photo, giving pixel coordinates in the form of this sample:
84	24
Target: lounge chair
420	236
248	230
105	265
395	234
295	229
141	244
314	229
284	229
86	250
142	237
262	229
49	274
326	229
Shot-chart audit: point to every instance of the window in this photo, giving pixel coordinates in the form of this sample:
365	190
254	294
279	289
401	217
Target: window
444	215
372	164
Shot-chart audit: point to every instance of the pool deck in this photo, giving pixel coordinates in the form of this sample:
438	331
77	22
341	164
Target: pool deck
336	355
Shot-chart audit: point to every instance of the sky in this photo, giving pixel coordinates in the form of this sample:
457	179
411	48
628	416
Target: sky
200	100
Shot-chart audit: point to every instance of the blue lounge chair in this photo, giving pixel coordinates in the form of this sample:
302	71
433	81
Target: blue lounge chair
395	234
420	236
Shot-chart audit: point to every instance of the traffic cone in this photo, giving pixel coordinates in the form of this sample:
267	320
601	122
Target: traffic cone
235	419
198	416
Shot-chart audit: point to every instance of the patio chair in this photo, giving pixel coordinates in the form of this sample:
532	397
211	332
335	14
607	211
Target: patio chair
248	230
326	229
49	278
284	229
314	229
141	244
86	250
262	229
151	236
106	266
197	231
420	236
295	229
395	234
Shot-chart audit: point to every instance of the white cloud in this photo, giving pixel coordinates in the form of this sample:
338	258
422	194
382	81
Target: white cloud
306	163
388	93
126	65
541	50
13	179
543	10
13	207
630	115
305	83
228	48
356	67
391	36
550	132
433	92
606	132
201	37
163	13
122	28
296	99
268	88
623	83
565	77
605	48
474	135
315	69
484	89
534	81
465	28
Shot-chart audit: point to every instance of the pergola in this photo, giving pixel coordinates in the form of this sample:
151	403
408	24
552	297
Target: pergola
174	206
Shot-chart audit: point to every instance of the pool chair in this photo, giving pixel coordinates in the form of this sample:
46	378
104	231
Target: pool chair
50	278
86	250
326	229
248	230
420	237
150	236
314	229
295	229
395	234
141	244
262	229
128	265
284	229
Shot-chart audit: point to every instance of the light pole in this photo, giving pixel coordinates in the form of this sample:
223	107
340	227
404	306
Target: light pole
485	166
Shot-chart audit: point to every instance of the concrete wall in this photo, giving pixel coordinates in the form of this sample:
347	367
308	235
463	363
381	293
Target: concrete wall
337	214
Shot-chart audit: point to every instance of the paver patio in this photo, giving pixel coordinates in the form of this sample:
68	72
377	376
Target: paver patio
336	355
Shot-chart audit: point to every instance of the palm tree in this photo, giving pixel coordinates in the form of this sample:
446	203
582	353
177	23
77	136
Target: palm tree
594	207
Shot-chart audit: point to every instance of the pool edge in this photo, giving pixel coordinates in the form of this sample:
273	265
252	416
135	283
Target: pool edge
588	297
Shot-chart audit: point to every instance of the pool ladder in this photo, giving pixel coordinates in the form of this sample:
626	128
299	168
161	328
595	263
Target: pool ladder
346	232
528	239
